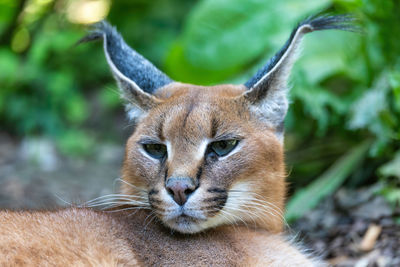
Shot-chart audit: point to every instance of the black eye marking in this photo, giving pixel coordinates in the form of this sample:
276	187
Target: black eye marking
189	110
198	175
223	147
214	127
155	150
160	128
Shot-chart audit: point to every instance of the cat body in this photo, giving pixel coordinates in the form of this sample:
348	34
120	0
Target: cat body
84	237
203	180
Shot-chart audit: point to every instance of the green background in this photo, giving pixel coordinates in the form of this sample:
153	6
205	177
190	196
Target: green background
343	126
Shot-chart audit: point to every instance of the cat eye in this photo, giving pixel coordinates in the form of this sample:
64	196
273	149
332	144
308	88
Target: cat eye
157	151
223	147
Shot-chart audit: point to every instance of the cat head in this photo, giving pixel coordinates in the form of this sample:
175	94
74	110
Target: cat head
203	156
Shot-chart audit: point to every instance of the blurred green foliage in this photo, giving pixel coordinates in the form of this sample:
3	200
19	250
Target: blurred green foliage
346	86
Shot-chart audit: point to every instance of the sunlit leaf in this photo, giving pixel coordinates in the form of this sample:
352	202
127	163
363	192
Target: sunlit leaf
392	168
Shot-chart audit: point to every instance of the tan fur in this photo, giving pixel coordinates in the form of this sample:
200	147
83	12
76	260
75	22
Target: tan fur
81	237
62	238
185	116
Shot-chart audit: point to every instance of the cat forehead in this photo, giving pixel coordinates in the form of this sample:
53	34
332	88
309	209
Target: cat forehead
196	111
187	92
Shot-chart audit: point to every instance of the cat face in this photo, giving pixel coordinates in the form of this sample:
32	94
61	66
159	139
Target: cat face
201	159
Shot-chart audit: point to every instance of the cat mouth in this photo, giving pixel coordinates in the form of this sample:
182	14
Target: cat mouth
185	219
185	222
186	216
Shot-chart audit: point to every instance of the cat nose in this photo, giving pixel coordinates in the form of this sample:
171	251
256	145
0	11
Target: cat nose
180	188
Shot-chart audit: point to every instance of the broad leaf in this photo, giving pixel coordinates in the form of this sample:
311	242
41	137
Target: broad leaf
223	37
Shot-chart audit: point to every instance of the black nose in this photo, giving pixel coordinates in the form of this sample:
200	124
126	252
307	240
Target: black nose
180	188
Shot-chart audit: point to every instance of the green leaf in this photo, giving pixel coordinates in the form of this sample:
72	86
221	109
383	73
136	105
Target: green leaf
392	168
8	65
365	111
327	53
306	199
372	111
76	109
109	97
318	103
222	37
392	195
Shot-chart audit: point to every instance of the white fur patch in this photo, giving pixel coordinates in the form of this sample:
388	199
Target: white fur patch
170	151
133	112
201	150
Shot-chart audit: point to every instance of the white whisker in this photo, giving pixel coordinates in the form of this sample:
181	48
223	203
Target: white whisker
130	208
254	204
237	216
115	198
117	203
152	215
225	214
131	185
63	200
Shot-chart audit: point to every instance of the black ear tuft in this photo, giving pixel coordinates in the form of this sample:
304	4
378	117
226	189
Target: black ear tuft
126	60
137	78
343	22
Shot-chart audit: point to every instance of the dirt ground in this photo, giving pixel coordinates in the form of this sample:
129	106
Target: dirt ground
34	176
351	228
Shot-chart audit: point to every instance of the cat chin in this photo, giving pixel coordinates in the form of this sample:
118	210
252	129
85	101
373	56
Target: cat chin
186	225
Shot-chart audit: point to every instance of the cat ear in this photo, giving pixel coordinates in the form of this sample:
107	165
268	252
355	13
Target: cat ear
137	78
267	90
